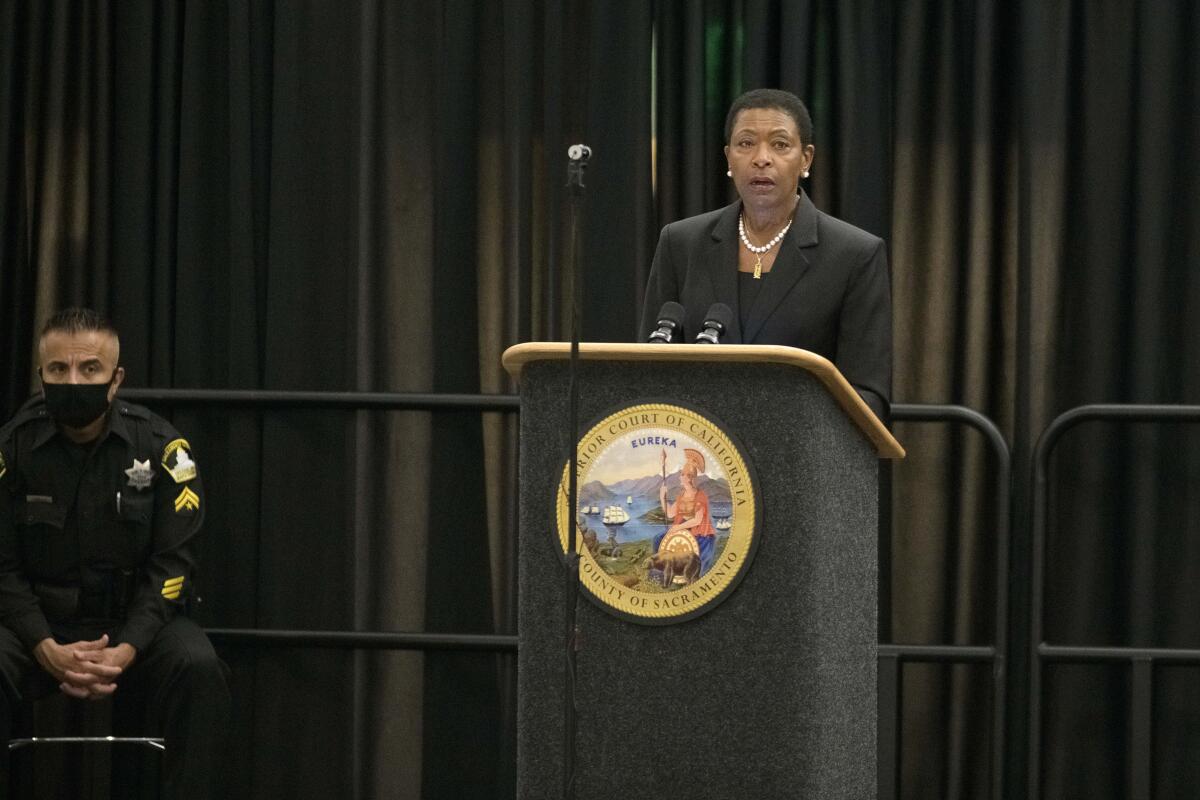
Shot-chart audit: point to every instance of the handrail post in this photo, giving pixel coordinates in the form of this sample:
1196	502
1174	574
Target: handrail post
890	687
1003	499
1141	727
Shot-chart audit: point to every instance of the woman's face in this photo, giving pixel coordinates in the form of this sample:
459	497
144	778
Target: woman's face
688	477
766	157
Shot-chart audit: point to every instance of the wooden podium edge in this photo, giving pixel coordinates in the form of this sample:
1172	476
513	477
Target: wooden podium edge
516	357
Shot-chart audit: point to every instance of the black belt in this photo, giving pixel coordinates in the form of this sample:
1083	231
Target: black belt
108	600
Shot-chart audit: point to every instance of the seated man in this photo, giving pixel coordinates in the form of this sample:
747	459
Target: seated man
99	504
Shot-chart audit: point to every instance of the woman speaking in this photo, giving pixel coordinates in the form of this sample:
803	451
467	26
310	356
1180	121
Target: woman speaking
791	274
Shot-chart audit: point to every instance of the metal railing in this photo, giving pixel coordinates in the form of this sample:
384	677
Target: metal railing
1141	660
345	401
893	657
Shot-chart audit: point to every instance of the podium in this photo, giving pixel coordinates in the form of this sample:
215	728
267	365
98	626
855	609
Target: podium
768	691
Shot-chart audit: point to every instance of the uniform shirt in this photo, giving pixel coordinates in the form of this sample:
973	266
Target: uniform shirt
110	522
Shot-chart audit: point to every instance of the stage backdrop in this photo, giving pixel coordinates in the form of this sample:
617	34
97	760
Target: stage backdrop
369	195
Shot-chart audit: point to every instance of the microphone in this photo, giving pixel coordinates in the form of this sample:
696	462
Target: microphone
577	161
670	317
716	322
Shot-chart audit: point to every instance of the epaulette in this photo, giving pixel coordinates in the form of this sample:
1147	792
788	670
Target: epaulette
160	429
131	409
33	409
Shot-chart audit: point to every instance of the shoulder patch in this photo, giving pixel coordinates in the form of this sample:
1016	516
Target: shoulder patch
177	461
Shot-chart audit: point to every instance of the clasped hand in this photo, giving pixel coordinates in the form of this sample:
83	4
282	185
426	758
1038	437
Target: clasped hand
86	670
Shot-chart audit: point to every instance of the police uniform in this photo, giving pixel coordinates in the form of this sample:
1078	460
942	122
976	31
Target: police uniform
97	538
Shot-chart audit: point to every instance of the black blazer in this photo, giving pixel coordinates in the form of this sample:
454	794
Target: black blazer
828	291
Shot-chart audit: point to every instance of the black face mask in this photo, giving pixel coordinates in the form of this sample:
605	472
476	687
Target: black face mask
77	405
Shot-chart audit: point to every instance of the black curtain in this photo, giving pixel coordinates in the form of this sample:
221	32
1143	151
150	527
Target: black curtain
370	196
319	196
1113	129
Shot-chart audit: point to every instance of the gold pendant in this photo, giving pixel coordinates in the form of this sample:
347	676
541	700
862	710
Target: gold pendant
757	267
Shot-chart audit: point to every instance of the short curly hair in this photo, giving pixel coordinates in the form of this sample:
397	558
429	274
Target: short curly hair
777	99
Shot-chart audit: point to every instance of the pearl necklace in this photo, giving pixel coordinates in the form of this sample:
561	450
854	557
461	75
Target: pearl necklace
758	251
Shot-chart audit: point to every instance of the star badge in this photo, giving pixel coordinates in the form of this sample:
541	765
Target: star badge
140	474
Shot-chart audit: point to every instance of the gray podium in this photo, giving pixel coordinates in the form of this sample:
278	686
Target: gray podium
772	692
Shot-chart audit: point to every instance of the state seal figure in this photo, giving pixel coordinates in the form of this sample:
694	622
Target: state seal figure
691	529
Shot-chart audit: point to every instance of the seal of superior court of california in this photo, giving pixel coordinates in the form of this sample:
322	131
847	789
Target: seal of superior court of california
667	517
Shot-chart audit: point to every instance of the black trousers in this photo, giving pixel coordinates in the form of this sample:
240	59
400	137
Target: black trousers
177	685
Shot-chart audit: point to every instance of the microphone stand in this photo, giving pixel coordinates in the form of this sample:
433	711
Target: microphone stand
577	158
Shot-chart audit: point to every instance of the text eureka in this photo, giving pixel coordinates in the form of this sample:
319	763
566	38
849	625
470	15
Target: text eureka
598	583
737	481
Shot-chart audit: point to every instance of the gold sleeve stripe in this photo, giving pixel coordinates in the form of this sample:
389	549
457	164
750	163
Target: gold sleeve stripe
187	499
172	587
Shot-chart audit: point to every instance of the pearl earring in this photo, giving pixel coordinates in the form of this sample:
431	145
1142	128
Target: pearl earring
806	173
729	173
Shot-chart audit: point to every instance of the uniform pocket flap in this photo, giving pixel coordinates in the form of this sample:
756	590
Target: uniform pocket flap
42	513
136	507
